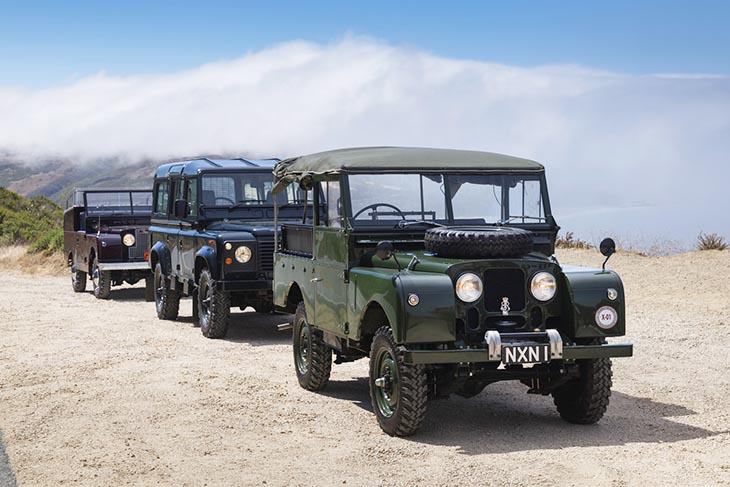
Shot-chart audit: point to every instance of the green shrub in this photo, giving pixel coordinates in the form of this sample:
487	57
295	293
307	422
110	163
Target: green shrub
36	222
711	241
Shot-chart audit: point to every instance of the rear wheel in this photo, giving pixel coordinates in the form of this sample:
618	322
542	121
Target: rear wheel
167	301
584	400
398	391
312	356
214	307
78	281
102	281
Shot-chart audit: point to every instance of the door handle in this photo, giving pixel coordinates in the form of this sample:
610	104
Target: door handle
315	279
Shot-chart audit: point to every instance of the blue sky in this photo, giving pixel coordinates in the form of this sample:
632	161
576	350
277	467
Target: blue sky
50	43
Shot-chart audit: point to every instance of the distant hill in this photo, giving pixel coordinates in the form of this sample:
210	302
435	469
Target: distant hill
36	222
56	179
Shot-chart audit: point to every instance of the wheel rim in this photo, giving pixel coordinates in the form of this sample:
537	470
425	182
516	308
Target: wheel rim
206	293
74	278
387	385
302	348
158	289
95	276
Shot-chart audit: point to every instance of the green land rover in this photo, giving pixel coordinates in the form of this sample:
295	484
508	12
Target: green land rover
439	266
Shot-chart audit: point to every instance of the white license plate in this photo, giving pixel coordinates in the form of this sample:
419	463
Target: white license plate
526	354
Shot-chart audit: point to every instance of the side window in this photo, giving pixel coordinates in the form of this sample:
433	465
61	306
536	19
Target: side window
334	208
191	195
162	198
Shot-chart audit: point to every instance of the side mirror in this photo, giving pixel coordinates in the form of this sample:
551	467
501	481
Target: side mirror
181	209
607	247
384	250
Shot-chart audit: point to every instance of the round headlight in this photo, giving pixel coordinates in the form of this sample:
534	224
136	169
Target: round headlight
543	286
469	287
128	240
243	254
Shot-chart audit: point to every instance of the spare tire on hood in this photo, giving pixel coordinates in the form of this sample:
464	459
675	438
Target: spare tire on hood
478	242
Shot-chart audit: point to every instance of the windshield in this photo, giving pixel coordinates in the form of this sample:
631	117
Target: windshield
247	189
447	199
118	202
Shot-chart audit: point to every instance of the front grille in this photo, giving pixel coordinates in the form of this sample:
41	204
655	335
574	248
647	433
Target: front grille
141	244
266	255
504	283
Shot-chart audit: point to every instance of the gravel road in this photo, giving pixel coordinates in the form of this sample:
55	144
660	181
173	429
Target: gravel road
103	393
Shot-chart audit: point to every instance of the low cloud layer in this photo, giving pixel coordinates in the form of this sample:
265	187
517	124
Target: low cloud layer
624	153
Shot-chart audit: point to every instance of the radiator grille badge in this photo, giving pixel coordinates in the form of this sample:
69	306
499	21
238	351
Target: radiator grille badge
505	306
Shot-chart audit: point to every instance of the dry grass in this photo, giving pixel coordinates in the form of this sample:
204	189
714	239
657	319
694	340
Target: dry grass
571	242
16	258
711	241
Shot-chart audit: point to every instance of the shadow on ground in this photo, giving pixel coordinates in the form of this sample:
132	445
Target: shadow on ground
128	294
504	418
7	477
258	328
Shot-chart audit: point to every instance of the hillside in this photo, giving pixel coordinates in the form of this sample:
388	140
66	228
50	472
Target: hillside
35	222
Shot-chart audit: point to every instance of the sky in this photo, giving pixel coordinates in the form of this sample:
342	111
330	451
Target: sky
626	103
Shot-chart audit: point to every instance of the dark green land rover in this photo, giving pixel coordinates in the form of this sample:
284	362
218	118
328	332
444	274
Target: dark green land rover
439	266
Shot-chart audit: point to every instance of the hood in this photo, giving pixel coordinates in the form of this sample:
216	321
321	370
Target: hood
258	229
441	265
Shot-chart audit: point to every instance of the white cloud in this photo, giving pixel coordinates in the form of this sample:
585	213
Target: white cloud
608	139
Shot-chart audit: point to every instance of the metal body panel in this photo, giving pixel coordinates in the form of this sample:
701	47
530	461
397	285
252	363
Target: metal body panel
584	292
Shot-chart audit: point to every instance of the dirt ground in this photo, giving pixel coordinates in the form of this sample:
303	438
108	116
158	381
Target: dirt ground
103	393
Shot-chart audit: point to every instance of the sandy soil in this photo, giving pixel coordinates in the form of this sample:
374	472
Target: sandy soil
102	393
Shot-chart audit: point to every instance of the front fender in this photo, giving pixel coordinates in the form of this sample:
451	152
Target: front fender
109	247
205	257
584	293
160	253
431	321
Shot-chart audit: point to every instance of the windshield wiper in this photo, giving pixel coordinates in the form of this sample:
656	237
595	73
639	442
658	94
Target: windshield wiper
408	223
243	204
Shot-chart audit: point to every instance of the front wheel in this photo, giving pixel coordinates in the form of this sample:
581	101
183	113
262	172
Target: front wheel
167	301
312	356
78	281
214	307
398	391
584	400
102	281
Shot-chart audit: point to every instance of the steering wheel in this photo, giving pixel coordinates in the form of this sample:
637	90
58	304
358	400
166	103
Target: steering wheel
376	205
224	199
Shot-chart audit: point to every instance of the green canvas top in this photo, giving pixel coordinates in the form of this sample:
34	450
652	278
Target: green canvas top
401	159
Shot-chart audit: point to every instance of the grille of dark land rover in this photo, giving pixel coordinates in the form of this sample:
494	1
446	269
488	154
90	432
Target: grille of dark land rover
266	255
142	241
504	283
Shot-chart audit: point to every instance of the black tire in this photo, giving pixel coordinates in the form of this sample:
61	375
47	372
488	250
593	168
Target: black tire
102	281
478	242
584	400
214	307
78	281
312	356
400	400
167	301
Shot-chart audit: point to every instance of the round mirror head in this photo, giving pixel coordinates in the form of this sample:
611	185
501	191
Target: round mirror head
306	183
607	247
384	250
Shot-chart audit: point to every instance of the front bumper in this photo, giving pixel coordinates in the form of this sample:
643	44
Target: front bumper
124	266
492	351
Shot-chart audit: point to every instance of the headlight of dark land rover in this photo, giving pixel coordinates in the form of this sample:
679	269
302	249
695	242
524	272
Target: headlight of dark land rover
469	287
129	239
243	254
543	286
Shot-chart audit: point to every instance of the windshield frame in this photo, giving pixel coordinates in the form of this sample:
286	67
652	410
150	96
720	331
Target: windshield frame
449	220
131	210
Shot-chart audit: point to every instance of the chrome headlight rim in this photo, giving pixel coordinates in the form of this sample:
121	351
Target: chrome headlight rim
475	288
129	239
243	254
539	291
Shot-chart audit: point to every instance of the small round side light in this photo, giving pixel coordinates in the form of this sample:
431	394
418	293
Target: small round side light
413	299
612	294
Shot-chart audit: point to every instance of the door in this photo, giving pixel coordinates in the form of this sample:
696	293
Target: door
187	240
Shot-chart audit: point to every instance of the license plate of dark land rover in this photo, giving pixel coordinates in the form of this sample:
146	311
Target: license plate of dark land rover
526	354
